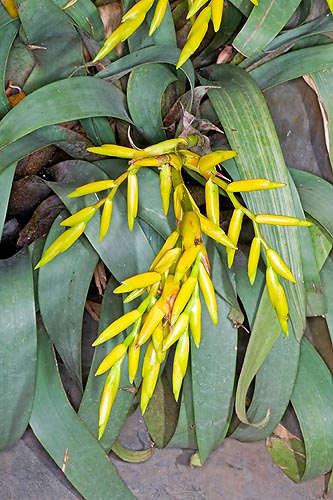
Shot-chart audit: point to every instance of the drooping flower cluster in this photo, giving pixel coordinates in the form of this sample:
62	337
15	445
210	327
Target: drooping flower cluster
170	310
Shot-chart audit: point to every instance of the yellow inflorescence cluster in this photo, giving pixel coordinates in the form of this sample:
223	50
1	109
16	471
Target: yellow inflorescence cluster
209	10
170	310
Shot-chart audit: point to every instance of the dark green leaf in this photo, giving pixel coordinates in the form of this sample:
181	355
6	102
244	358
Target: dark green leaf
6	179
85	14
7	33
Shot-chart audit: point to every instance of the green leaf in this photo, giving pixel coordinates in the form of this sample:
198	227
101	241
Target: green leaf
60	55
62	101
263	24
145	107
312	400
18	347
8	33
66	439
62	290
213	372
289	454
112	308
327	280
243	113
99	130
6	179
85	14
292	65
131	456
245	6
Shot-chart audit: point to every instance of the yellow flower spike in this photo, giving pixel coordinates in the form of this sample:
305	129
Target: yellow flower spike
195	316
10	7
215	232
169	244
253	261
157	339
234	230
183	298
217	12
278	298
175	161
132	199
92	187
207	163
83	215
62	243
167	260
117	151
281	220
180	362
165	147
109	394
279	266
196	6
191	230
118	326
212	200
158	15
247	185
177	330
133	359
165	186
152	320
124	31
143	280
139	8
208	292
114	355
105	218
186	260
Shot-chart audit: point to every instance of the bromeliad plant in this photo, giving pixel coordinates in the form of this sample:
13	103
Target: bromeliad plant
206	306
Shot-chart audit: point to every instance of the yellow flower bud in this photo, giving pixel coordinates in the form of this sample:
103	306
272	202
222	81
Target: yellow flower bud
133	359
180	362
217	12
253	261
92	187
177	330
278	298
194	39
186	260
212	200
207	163
62	243
83	215
178	195
183	297
196	5
139	8
117	151
157	339
132	199
279	266
117	326
10	7
105	218
114	355
234	230
158	15
152	320
191	230
167	260
208	293
176	161
252	185
215	232
109	394
281	220
195	316
165	186
143	280
165	147
150	371
170	242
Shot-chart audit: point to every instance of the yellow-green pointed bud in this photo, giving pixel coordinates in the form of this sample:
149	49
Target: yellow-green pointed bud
175	161
169	259
197	4
117	326
148	386
165	147
158	15
183	297
234	230
92	187
153	319
177	330
253	185
278	298
215	232
132	199
253	261
279	266
114	355
143	280
105	218
194	39
207	163
180	362
133	359
165	186
109	394
217	12
157	339
169	294
150	161
191	230
281	220
178	195
134	295
170	242
186	260
117	151
62	243
208	292
195	316
141	7
189	159
212	200
83	215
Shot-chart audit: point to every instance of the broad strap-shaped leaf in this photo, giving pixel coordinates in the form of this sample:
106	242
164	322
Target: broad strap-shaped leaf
61	101
312	400
62	291
243	113
66	438
18	346
85	15
327	280
6	179
8	33
264	23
